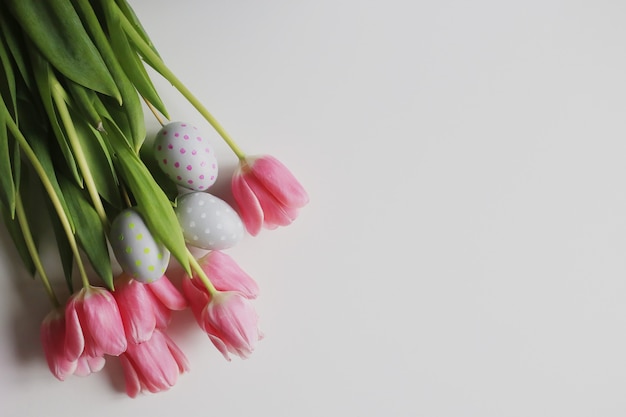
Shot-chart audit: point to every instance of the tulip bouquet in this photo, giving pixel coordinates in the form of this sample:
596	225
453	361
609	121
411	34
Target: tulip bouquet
73	90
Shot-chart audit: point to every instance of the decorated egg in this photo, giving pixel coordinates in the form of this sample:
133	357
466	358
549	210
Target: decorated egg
185	155
135	249
208	222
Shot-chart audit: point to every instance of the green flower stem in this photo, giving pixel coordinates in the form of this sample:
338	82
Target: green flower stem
160	66
201	275
57	95
32	249
41	173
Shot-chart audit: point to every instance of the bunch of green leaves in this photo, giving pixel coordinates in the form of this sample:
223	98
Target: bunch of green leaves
72	80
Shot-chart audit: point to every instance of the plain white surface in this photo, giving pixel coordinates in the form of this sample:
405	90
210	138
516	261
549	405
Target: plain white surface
464	251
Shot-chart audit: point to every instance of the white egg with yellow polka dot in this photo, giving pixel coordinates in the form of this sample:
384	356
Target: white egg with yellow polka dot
208	222
135	249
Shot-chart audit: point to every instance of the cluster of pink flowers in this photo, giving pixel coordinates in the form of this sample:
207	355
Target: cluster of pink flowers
131	322
96	322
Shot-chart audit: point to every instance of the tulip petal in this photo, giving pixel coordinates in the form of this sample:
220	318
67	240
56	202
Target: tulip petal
177	354
105	332
52	334
197	298
156	365
165	292
162	315
87	365
135	307
153	365
231	318
279	181
240	325
220	345
133	385
273	210
96	364
74	337
226	275
249	207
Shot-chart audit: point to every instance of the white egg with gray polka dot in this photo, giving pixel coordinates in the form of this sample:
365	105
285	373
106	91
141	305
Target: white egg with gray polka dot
208	222
135	249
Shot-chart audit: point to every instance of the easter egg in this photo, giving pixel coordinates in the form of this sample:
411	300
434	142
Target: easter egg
135	249
208	222
185	155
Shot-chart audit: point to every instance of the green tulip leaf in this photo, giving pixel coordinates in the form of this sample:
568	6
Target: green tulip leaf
129	14
7	78
7	185
38	145
15	45
58	33
17	236
66	255
83	100
89	230
43	77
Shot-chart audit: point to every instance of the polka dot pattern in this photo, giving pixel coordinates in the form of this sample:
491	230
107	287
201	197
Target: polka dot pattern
135	249
208	222
186	156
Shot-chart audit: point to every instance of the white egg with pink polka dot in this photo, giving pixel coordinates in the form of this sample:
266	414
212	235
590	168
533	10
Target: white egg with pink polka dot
186	156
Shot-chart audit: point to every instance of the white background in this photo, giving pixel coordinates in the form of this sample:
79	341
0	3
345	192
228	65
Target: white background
464	250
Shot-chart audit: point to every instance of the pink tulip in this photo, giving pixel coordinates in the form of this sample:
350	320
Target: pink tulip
145	307
153	365
226	275
231	322
52	334
228	318
267	193
93	325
